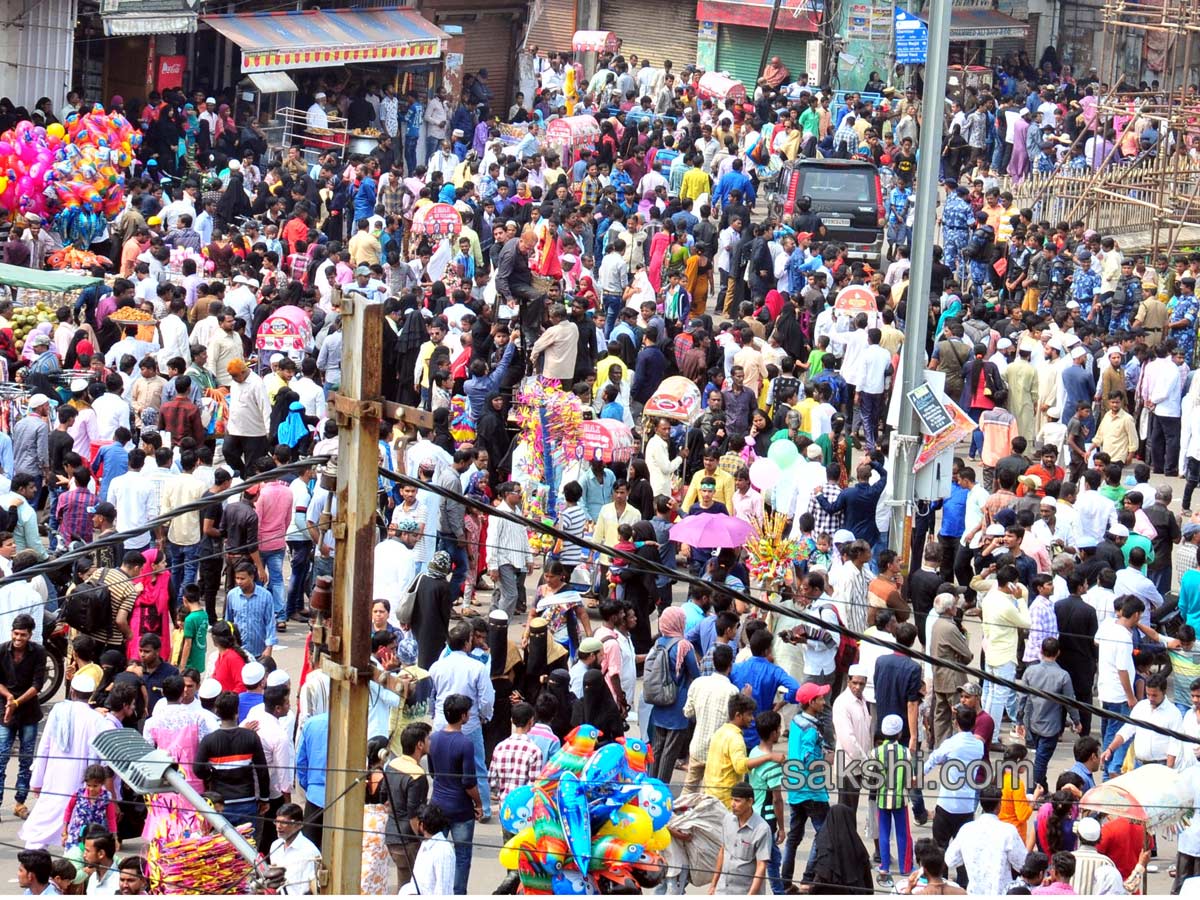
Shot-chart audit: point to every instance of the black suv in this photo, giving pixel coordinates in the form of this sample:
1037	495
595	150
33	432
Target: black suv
845	193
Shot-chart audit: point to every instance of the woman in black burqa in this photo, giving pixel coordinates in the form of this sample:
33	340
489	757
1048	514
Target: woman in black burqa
598	708
413	334
840	862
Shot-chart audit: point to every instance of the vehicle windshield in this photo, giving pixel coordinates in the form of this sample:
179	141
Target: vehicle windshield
838	185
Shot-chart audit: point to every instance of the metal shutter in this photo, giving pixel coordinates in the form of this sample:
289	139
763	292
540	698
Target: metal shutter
554	25
489	40
739	51
670	34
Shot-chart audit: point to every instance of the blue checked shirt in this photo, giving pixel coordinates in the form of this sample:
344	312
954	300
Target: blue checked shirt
254	617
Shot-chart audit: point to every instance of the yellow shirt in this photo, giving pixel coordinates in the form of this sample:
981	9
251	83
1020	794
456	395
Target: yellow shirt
726	763
602	367
724	492
607	521
805	407
1117	436
695	184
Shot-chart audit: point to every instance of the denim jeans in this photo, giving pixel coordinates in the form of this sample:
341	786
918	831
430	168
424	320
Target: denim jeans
1041	759
27	736
773	876
302	556
322	565
458	557
612	304
410	153
485	791
1110	729
997	698
184	568
463	835
52	503
801	813
273	562
241	812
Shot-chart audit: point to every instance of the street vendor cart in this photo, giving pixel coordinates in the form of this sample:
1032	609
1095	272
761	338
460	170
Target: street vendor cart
1149	795
287	331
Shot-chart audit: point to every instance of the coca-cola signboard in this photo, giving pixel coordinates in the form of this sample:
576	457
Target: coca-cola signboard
169	73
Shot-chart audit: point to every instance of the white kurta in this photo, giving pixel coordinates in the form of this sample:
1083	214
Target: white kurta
64	752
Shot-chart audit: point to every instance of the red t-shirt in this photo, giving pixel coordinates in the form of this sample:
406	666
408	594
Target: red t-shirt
1121	841
228	670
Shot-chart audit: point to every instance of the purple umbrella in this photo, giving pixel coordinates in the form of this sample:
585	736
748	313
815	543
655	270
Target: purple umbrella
710	530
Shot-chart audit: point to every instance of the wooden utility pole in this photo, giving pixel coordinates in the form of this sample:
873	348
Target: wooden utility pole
358	410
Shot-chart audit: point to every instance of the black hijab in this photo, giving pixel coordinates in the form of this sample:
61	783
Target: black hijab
788	332
598	708
441	430
559	685
413	332
536	665
840	861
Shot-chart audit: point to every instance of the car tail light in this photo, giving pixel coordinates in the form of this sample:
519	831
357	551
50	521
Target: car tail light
882	217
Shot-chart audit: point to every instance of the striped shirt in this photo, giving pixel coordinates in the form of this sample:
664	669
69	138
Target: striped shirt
573	520
897	772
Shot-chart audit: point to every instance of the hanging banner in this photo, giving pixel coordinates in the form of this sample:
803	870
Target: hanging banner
961	427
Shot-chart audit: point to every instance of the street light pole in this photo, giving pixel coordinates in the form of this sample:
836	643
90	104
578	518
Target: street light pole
912	358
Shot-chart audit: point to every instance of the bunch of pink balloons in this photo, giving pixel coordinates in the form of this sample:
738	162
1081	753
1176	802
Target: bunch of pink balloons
71	172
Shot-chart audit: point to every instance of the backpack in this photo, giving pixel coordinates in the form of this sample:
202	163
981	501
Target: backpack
659	686
847	650
88	608
408	599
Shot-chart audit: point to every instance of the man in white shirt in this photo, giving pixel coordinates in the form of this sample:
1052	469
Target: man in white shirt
134	497
316	117
506	554
1115	674
185	204
1162	392
989	849
1150	746
852	727
1096	512
311	394
246	431
395	565
437	117
242	298
270	722
297	855
174	335
112	411
874	365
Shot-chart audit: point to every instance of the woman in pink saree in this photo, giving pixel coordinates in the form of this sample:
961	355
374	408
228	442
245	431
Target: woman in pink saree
659	244
152	612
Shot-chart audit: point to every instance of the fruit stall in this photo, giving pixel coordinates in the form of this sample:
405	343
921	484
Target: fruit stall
37	295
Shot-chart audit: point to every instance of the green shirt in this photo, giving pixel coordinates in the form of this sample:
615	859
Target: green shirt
1138	540
195	626
810	122
1114	492
765	779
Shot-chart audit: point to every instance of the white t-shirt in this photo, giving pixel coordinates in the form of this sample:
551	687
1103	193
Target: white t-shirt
1116	655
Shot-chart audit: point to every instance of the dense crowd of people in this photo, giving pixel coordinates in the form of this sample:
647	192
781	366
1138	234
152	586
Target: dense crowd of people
603	270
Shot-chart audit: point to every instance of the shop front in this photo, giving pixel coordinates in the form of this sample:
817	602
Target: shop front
388	46
732	35
653	31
